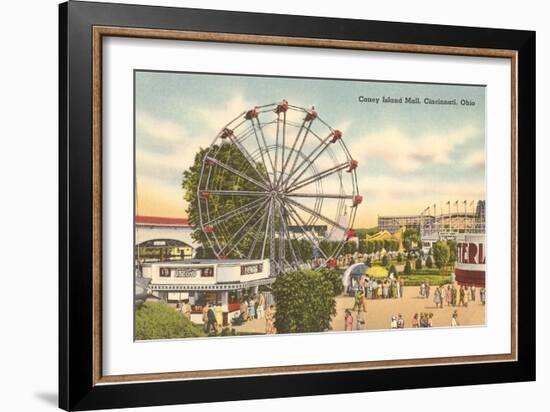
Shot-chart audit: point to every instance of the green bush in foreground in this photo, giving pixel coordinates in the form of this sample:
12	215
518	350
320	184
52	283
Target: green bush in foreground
305	301
159	321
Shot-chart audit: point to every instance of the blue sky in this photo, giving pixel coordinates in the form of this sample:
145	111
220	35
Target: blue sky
410	156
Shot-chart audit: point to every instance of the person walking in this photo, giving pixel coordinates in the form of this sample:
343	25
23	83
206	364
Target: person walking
393	323
448	295
473	293
244	310
400	321
348	321
205	316
462	294
482	295
251	309
437	299
466	296
414	322
454	293
211	322
430	320
261	306
454	319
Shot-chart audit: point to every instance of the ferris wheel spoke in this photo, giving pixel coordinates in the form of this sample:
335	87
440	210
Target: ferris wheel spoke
292	169
317	195
257	235
266	231
276	147
241	228
260	128
317	214
236	193
234	212
301	224
249	158
309	160
288	236
261	150
248	231
318	176
285	164
235	172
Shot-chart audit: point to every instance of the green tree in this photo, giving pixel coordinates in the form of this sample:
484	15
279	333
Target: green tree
406	245
408	268
429	262
350	247
452	251
334	277
362	246
221	179
418	264
395	245
385	260
305	302
392	269
399	258
412	235
156	320
387	245
370	247
441	253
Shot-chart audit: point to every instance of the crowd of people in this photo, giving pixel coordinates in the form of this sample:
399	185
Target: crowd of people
452	295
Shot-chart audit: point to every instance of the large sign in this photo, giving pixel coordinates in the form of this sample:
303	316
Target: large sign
187	272
471	253
251	269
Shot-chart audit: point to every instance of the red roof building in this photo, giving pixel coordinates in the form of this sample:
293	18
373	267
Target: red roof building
161	221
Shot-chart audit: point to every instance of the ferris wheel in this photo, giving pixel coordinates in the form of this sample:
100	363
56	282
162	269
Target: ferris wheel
277	177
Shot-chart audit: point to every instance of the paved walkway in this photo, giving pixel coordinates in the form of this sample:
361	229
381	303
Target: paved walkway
380	311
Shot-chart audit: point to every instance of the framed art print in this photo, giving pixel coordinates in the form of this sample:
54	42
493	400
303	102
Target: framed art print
259	205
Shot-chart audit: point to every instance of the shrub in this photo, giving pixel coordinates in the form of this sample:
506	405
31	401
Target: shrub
159	321
305	302
399	257
392	269
429	262
335	278
418	264
442	253
408	268
385	260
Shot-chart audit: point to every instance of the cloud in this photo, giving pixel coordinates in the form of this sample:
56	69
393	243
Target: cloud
164	147
216	118
405	153
475	160
401	190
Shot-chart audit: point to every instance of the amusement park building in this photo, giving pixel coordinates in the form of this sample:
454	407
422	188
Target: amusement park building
163	238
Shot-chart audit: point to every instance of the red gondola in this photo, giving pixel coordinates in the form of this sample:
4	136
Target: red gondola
282	107
310	116
226	133
352	166
251	114
336	135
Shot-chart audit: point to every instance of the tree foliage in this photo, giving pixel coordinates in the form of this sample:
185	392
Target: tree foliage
385	260
220	179
429	262
418	264
159	321
408	268
305	301
441	253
